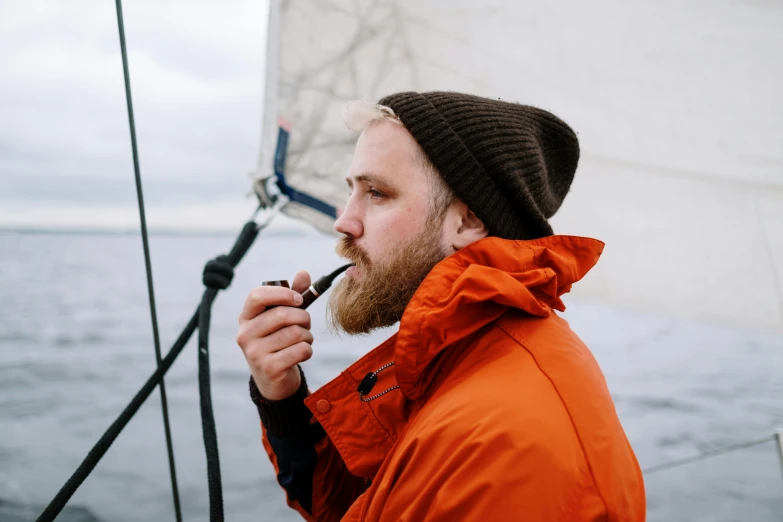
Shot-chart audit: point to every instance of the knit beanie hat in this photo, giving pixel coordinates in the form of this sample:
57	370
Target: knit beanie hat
511	164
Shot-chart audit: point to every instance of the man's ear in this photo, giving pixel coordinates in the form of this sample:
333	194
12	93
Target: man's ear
466	228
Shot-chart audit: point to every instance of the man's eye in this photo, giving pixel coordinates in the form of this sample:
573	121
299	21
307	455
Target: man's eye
375	194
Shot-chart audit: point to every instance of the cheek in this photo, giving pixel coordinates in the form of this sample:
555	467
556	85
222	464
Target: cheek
393	230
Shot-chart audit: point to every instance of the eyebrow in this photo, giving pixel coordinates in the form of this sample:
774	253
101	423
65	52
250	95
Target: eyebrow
369	178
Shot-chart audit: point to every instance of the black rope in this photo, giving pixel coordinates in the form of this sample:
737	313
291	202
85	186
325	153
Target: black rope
241	246
207	417
218	274
150	289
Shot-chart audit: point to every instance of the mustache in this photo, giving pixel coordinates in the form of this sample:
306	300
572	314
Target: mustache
348	249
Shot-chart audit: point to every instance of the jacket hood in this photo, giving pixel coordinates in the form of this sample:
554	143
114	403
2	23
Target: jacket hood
476	285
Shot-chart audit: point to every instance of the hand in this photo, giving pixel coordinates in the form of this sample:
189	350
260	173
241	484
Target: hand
275	337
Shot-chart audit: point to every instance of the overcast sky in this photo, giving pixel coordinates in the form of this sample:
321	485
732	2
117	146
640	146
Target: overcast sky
197	79
703	98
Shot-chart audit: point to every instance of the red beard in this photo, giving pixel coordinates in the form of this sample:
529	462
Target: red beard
379	297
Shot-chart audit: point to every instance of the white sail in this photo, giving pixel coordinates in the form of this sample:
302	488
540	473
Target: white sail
677	106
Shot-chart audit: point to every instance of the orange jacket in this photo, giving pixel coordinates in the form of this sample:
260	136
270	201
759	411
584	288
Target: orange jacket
501	414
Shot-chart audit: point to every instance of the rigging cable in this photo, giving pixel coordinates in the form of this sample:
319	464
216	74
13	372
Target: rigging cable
709	454
148	264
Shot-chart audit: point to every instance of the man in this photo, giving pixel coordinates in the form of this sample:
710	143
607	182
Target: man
484	405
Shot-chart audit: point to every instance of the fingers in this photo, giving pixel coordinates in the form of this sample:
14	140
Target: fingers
301	281
282	361
276	341
265	296
279	341
270	322
271	357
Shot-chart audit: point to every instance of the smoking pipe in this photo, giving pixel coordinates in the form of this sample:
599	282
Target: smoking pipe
316	289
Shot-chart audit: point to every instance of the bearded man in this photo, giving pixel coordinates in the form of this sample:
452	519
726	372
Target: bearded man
484	406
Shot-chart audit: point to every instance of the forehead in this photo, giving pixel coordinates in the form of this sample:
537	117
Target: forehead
387	150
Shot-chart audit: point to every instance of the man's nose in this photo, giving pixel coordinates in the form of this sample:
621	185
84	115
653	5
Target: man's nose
349	221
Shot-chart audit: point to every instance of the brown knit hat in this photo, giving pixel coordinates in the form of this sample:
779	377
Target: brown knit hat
511	164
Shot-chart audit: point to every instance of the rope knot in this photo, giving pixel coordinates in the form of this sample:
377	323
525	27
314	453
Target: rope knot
218	273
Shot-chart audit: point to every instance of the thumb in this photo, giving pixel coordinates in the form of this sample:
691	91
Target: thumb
301	282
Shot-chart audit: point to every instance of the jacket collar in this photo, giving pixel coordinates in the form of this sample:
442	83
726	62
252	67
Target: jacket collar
476	285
